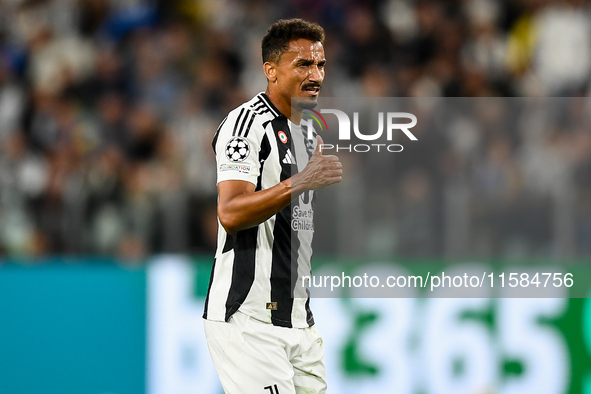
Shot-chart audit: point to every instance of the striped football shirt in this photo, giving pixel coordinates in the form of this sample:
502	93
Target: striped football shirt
259	270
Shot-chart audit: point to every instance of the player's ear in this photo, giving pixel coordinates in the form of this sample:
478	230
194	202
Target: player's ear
270	70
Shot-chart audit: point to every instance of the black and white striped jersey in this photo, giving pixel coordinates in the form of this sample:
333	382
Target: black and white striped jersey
259	270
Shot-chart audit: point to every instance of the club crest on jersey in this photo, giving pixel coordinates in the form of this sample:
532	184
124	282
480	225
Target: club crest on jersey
282	136
237	149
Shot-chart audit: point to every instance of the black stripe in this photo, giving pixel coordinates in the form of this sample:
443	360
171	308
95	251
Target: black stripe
237	121
249	124
264	111
229	245
243	122
208	290
217	133
263	155
283	267
245	246
258	105
270	104
309	143
285	244
309	316
268	108
221	124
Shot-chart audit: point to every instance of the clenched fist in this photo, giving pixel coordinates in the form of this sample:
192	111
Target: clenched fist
320	172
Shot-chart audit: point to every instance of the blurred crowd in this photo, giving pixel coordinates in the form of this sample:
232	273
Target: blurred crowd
108	107
488	177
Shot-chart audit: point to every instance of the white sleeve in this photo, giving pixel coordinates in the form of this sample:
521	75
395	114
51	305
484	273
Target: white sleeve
237	147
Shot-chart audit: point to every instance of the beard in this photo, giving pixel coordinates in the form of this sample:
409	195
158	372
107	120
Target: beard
306	102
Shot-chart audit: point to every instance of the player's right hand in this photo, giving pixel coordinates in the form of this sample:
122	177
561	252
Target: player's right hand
321	171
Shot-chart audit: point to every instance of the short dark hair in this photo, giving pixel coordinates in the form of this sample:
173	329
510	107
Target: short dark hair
277	39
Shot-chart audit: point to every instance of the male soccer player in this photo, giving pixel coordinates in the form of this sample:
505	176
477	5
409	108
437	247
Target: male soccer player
259	328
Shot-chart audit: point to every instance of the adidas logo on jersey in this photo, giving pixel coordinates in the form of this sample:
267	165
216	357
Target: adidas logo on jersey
288	159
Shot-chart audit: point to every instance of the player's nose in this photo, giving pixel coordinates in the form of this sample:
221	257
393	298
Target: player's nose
316	74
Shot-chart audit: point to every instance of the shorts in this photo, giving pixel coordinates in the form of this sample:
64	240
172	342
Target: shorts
252	357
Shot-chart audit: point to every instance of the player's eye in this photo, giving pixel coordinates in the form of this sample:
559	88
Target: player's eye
304	64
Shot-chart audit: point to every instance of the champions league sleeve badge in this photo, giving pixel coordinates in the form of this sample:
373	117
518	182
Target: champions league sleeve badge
237	149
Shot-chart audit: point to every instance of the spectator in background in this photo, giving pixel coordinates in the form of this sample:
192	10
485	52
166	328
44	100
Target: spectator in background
562	58
106	108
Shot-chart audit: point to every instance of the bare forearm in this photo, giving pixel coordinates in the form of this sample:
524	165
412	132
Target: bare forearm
251	209
240	207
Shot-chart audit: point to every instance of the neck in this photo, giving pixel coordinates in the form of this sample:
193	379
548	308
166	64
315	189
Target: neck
293	114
